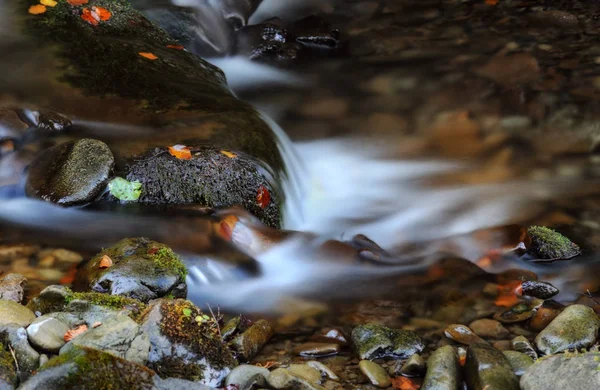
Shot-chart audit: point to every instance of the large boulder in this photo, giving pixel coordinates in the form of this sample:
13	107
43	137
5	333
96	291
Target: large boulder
564	371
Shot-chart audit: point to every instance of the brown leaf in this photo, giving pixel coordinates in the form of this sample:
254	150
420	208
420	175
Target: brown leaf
72	333
181	152
228	154
148	55
105	262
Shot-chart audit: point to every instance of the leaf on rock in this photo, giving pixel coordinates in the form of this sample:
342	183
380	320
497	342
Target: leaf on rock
228	154
87	15
76	3
48	3
101	13
37	9
125	190
263	197
72	333
105	262
181	152
403	383
176	47
148	55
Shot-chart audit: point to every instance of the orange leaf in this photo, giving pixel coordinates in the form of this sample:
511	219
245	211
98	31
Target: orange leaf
226	226
181	152
491	2
403	383
75	3
148	55
48	3
508	294
462	360
37	9
228	154
69	277
263	197
176	47
102	13
96	324
105	262
72	333
87	15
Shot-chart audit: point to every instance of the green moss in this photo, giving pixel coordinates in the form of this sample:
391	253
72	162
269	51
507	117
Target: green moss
549	244
116	302
7	365
167	259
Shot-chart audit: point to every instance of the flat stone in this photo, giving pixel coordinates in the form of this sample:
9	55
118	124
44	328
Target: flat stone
462	334
246	375
316	349
12	312
487	368
564	371
281	379
376	374
576	327
488	328
443	370
376	341
323	369
47	333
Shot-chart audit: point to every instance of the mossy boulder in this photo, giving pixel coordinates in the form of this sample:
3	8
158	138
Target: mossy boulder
549	244
375	341
574	328
251	339
185	343
139	268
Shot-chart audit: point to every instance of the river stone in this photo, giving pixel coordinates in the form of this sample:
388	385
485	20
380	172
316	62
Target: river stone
12	312
11	287
47	333
245	376
414	366
564	371
183	344
8	374
27	357
489	328
462	334
316	349
518	361
323	369
576	327
487	368
521	344
71	173
141	269
312	375
376	374
376	341
443	370
281	379
251	341
120	336
51	299
541	290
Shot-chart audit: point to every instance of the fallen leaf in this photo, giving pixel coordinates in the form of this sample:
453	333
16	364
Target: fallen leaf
87	15
228	154
48	3
96	324
268	364
37	9
152	250
105	262
226	226
176	47
181	152
462	360
263	197
148	55
491	2
125	190
508	294
101	13
72	333
403	383
76	3
69	277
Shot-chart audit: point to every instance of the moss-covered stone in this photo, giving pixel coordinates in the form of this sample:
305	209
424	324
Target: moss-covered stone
141	269
8	374
114	302
575	328
375	341
549	244
250	342
443	370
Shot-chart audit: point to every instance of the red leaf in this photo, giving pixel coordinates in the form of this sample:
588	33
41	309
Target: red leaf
89	17
263	197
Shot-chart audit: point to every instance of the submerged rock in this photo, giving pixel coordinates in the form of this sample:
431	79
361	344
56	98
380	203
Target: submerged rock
488	328
141	269
317	349
282	378
549	244
462	334
185	344
576	327
376	341
443	370
521	344
518	361
564	371
72	173
12	312
12	286
517	313
376	374
487	368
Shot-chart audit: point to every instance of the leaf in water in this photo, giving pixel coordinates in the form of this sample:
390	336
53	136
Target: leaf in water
125	190
403	383
75	3
148	55
181	152
101	13
87	15
228	154
263	197
37	9
187	312
48	3
176	47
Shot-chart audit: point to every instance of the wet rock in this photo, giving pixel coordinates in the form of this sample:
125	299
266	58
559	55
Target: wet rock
184	343
141	269
549	244
576	327
521	344
488	328
72	173
518	361
541	290
564	371
375	341
120	336
245	376
462	334
519	68
47	333
11	287
312	375
323	369
12	312
11	126
376	374
27	357
90	369
51	299
314	30
281	379
8	374
316	349
542	318
330	335
443	370
414	366
517	313
48	120
251	341
554	19
266	41
487	368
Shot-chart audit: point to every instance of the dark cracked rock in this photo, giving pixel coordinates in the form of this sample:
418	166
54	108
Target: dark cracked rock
72	173
376	341
141	269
